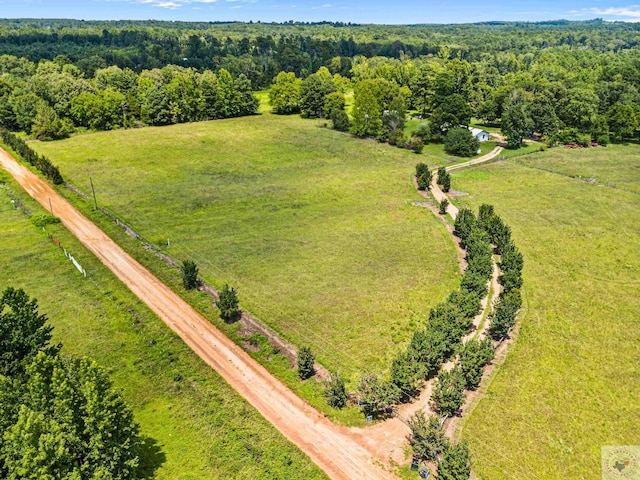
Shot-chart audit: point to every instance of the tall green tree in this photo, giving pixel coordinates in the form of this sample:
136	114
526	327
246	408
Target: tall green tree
367	114
284	94
47	125
461	142
427	438
473	357
23	331
455	463
70	423
448	393
377	396
516	123
313	91
622	120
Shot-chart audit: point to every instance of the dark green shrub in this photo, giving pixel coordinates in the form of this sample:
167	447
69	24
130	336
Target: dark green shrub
473	357
448	392
336	392
444	204
189	271
228	303
340	121
305	363
461	142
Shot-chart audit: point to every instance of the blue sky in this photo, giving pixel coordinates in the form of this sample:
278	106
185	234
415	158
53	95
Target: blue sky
359	11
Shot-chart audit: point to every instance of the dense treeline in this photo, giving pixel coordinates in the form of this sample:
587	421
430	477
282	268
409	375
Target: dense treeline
262	50
51	98
60	417
567	82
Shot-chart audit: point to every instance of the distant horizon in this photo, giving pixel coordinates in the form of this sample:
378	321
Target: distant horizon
377	12
318	22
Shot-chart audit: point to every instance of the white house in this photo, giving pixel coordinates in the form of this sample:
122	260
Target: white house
480	134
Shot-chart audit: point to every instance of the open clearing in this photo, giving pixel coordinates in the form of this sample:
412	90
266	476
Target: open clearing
195	424
616	166
571	382
315	229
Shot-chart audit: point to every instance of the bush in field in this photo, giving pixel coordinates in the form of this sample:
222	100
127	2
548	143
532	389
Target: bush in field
189	274
444	179
336	392
416	144
444	204
228	303
305	363
423	176
340	121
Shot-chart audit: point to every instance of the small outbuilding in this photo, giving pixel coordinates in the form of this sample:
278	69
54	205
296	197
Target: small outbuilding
481	135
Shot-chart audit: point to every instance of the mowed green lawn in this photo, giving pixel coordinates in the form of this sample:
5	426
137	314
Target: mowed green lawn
195	425
571	382
314	228
615	166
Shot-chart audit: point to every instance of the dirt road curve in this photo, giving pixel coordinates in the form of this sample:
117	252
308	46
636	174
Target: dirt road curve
439	195
332	448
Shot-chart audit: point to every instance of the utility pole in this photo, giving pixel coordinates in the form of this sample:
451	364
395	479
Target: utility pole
95	202
50	206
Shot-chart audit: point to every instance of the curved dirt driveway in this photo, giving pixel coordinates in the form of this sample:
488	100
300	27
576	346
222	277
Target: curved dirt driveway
334	449
439	195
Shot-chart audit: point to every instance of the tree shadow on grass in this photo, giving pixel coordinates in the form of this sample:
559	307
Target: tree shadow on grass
151	457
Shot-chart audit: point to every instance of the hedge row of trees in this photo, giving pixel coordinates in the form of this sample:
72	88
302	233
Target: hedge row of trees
427	438
49	100
440	339
60	417
39	161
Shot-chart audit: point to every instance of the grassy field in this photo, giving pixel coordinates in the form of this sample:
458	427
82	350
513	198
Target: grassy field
194	424
571	382
615	166
315	228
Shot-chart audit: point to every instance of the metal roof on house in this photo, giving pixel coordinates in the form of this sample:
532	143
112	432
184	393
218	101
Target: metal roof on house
477	131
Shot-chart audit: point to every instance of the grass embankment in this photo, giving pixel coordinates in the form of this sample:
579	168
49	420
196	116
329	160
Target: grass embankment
196	426
571	382
314	228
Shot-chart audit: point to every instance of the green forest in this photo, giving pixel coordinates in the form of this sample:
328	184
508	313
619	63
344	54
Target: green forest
565	82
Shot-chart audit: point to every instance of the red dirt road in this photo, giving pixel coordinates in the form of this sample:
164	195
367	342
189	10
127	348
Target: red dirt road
334	449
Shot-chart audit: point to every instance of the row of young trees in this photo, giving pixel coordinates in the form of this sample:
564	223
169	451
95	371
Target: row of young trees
427	438
51	99
60	416
41	162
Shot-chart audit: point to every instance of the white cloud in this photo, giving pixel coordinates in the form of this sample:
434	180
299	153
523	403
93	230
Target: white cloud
631	12
326	5
170	4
